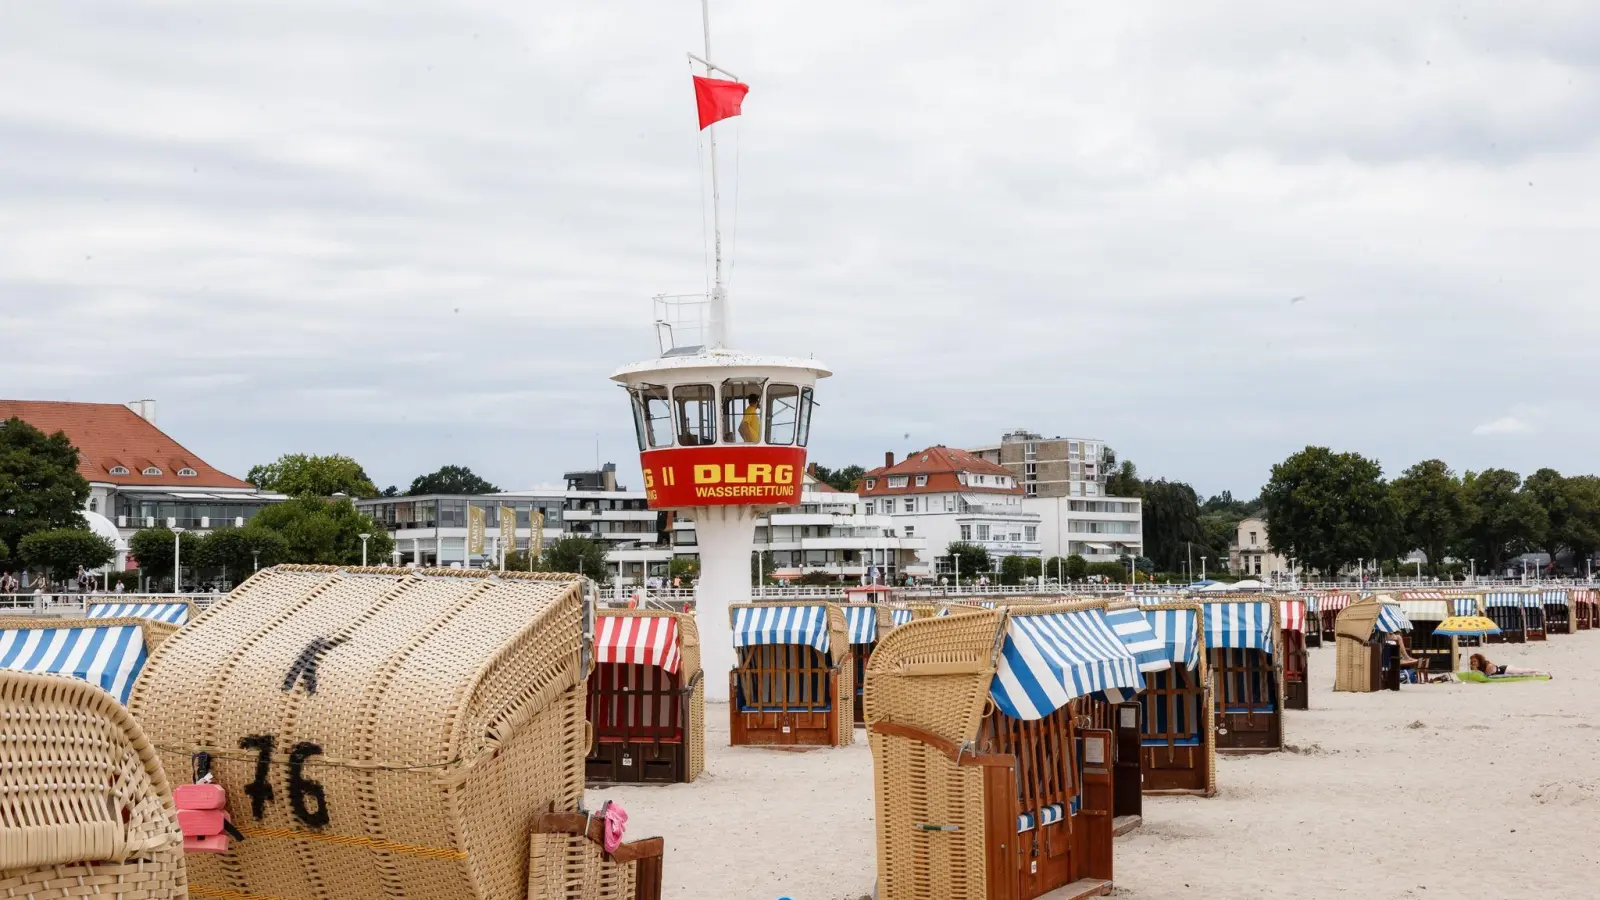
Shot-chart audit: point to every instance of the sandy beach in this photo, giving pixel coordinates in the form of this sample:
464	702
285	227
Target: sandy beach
1488	792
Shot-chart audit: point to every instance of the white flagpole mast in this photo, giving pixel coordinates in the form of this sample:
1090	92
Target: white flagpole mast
719	295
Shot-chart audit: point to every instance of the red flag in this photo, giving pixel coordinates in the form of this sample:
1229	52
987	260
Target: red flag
717	99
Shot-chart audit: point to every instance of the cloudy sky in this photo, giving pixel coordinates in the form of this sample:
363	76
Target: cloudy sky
422	233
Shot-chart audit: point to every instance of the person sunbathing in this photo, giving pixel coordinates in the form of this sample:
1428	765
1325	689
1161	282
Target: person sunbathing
1481	663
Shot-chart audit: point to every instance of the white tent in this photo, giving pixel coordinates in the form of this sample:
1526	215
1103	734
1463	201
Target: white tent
1249	584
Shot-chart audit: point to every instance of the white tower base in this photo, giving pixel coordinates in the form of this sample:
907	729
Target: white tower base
726	536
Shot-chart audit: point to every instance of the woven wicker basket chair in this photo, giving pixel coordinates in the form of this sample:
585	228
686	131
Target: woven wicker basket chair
382	732
866	623
1296	661
791	684
1511	611
1426	610
1585	609
1177	710
95	821
170	612
986	787
1558	615
1364	661
1313	623
647	698
108	653
1244	637
1329	605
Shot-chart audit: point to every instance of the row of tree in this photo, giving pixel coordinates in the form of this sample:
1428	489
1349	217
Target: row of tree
1331	509
305	475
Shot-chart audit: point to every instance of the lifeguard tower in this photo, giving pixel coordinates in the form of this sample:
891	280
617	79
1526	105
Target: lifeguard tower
722	434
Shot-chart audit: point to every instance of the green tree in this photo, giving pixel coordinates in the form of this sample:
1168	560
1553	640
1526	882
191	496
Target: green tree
1055	568
1077	568
40	487
576	554
1550	490
762	574
450	480
1171	522
237	552
60	551
1329	509
153	547
1581	531
1124	481
1013	569
684	569
844	479
302	475
324	532
971	559
1116	573
390	491
1506	520
4	553
1432	507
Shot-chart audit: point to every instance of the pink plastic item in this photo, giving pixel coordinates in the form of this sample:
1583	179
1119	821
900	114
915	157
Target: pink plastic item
202	817
199	796
616	820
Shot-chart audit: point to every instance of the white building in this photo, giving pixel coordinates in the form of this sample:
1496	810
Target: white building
1249	554
1100	530
944	495
831	532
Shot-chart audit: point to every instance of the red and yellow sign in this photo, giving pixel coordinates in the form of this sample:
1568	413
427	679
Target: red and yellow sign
728	475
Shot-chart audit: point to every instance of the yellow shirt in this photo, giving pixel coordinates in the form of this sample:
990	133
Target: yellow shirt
750	425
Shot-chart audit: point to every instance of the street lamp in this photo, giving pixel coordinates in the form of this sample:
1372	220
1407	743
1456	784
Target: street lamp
177	560
1203	567
364	538
255	558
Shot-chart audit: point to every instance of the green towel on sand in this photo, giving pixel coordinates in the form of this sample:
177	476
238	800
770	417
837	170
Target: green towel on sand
1480	678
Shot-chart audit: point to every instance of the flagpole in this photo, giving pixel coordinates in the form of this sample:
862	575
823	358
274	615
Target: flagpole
718	324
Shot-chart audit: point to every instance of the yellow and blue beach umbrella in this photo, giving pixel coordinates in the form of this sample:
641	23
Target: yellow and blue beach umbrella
1467	626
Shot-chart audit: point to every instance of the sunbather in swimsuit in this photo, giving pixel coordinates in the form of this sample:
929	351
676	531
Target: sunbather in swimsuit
1480	663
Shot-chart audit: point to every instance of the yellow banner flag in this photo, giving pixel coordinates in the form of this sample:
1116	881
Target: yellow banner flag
508	531
477	522
535	537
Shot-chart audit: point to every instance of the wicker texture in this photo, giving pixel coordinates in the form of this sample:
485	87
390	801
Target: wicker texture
448	709
571	867
1353	652
154	632
85	808
688	668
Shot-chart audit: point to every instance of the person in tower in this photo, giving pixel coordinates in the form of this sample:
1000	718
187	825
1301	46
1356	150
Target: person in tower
750	422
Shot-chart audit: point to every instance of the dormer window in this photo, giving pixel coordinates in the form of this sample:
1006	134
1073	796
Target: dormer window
922	481
872	483
152	471
119	470
187	472
897	481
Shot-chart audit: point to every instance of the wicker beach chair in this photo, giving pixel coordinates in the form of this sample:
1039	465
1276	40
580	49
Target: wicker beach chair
1296	661
1365	661
1244	638
647	699
108	653
792	680
380	732
170	612
1439	653
95	820
1329	606
1511	610
986	785
866	623
569	862
1558	617
1178	710
1585	609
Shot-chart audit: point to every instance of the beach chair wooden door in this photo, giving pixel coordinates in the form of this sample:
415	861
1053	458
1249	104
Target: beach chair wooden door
1583	609
1558	617
1506	609
1296	661
1176	722
1244	640
645	701
791	682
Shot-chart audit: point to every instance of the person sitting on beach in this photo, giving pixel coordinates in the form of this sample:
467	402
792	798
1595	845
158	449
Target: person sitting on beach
1405	660
1481	663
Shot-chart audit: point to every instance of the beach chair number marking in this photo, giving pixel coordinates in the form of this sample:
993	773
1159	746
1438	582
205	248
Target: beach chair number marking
300	787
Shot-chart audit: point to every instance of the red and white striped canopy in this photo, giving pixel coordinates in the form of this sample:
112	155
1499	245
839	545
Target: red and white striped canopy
1294	615
647	640
1335	602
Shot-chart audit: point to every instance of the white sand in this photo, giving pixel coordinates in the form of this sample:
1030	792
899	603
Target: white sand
1489	792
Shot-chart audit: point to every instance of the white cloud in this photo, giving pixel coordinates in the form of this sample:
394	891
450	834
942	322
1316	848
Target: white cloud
425	234
1505	425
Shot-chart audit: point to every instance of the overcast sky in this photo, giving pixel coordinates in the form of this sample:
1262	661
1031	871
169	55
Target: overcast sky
422	233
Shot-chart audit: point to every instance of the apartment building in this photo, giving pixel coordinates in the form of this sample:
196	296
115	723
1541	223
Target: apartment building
943	494
831	532
1063	482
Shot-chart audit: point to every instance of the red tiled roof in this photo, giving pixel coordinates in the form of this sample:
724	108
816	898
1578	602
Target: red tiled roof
940	464
110	434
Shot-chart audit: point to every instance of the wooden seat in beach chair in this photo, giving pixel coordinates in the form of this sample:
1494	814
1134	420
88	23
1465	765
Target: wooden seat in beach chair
1558	617
568	861
1507	610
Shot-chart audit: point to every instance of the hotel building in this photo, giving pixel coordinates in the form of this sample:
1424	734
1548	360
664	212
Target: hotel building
943	495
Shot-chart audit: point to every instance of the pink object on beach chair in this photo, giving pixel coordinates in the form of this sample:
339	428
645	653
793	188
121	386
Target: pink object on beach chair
202	817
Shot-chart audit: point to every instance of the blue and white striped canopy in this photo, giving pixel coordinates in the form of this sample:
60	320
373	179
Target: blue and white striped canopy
1239	626
171	613
1135	632
1174	628
1557	597
1391	619
1512	598
757	625
1465	606
1313	603
900	617
862	623
1050	659
109	657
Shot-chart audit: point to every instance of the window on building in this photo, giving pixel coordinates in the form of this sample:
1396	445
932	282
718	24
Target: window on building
966	532
911	531
1072	449
94	505
983	532
1252	538
911	504
1032	489
741	411
805	416
1258	565
657	412
1030	533
783	402
922	481
187	472
696	408
981	479
897	481
961	477
119	470
872	483
1030	450
151	471
1016	536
